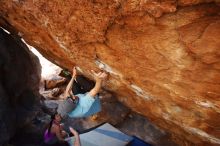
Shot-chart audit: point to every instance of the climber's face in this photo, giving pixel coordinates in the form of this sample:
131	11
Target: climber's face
58	118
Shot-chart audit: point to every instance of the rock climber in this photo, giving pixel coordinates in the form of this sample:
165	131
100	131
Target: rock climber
82	96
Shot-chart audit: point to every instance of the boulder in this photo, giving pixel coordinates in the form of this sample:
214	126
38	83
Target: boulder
19	84
54	82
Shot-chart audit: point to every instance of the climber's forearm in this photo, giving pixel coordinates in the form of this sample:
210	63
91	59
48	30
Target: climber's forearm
69	87
96	89
77	140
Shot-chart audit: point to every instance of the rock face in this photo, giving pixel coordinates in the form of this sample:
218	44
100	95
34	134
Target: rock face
19	83
163	56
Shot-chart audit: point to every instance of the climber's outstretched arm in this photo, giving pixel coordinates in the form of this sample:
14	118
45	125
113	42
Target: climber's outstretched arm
99	77
70	84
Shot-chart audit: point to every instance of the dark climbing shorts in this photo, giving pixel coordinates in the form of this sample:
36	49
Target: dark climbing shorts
67	106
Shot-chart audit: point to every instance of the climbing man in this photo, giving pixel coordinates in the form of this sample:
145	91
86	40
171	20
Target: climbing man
82	96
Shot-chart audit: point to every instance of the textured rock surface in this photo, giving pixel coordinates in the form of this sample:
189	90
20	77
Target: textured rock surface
54	82
163	57
19	83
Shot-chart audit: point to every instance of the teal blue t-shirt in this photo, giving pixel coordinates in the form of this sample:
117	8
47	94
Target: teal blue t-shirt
86	106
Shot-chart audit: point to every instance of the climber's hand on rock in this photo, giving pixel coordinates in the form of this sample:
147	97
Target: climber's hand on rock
99	76
74	71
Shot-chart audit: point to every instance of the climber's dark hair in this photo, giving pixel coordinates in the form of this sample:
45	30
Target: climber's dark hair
52	117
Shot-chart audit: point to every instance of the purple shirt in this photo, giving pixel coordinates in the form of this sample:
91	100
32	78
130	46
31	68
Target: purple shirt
49	137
